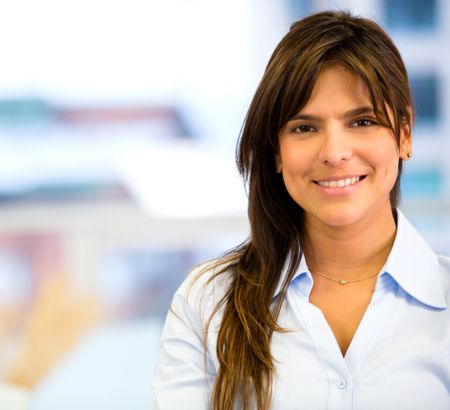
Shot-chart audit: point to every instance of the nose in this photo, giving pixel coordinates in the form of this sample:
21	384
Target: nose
335	148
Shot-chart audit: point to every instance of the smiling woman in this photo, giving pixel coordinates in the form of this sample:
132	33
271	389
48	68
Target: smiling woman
335	301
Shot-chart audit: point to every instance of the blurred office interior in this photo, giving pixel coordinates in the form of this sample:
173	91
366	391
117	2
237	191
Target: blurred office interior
118	123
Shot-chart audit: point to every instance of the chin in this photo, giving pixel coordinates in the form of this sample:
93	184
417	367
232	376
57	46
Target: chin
339	221
338	217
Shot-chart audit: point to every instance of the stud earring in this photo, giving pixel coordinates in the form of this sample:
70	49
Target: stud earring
409	154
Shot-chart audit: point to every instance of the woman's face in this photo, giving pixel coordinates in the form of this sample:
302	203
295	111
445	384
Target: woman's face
337	162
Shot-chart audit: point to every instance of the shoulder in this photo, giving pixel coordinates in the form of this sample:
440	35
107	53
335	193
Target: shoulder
204	288
212	278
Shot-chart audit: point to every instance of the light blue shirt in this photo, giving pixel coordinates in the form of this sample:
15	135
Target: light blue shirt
398	359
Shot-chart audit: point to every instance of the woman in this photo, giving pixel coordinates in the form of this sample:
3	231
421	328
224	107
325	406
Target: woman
335	301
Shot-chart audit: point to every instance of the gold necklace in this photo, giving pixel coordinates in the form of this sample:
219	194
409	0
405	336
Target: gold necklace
343	282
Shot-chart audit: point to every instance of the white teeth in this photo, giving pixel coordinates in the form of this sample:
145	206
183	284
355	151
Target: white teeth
340	183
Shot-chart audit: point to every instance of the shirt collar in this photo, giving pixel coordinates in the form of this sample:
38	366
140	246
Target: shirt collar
301	269
411	263
414	266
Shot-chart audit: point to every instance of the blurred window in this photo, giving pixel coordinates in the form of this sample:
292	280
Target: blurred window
299	8
425	89
141	283
410	14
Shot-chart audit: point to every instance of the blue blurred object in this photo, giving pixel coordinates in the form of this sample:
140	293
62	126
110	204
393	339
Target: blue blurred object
112	369
410	14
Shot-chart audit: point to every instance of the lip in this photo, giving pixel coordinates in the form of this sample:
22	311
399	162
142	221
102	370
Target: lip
339	191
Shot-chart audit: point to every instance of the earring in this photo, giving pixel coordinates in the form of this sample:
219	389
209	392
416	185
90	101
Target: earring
409	154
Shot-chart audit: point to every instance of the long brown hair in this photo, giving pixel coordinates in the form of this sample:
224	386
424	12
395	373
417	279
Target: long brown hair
249	313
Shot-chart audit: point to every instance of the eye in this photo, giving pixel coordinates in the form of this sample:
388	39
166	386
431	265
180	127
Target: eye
300	129
363	122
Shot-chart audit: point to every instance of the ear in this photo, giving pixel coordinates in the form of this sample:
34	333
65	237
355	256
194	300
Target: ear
278	167
405	143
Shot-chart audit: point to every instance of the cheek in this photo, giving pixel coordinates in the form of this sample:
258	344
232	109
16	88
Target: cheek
295	169
293	157
385	157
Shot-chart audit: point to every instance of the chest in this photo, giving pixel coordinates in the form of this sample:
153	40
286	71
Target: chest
343	309
390	364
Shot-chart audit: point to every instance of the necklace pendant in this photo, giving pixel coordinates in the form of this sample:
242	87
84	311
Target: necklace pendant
343	282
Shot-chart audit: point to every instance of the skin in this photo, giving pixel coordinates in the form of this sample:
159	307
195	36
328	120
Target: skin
349	231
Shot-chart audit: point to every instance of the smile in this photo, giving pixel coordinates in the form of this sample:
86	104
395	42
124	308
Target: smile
340	183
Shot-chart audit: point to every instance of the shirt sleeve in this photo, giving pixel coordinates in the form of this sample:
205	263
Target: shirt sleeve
184	375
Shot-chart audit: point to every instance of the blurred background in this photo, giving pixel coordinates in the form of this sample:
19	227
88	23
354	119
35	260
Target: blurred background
118	124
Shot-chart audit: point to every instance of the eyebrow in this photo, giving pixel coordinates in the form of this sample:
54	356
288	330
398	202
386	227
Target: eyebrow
350	113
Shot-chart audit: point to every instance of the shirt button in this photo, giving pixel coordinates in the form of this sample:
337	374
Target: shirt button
341	384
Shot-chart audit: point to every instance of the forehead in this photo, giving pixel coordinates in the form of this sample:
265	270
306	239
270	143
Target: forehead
337	87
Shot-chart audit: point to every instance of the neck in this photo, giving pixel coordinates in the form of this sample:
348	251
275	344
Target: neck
351	251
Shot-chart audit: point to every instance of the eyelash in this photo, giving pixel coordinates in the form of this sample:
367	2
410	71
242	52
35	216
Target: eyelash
297	129
370	122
